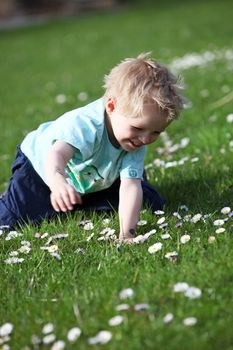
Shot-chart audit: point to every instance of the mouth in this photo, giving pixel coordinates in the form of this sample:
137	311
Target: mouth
134	145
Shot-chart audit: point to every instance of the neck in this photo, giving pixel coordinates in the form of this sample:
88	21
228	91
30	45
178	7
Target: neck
110	132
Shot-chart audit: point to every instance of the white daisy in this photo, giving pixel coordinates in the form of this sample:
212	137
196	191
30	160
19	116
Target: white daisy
180	287
61	98
184	239
116	320
211	239
229	118
142	223
122	307
171	255
190	321
6	329
196	218
49	338
103	337
24	249
88	226
219	222
58	345
14	260
142	306
126	293
226	210
166	236
220	230
159	212
25	243
14	253
83	96
168	318
155	248
48	328
53	248
73	334
193	292
161	220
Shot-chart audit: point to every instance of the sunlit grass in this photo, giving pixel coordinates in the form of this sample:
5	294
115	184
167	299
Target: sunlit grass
82	288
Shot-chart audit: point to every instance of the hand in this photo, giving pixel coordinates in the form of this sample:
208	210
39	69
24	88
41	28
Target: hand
127	238
63	196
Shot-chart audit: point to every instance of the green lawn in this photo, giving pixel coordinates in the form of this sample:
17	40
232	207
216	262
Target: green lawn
69	56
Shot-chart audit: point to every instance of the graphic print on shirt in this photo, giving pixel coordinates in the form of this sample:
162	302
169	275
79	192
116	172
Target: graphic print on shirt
84	177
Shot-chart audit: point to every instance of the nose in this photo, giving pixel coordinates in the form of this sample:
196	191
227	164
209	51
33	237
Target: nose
146	139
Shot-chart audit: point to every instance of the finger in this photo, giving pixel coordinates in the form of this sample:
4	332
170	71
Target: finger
75	198
54	203
59	203
65	200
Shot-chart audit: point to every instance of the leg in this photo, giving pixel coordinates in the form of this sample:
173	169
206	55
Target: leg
27	197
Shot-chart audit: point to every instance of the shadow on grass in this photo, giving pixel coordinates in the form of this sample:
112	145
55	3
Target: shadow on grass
200	193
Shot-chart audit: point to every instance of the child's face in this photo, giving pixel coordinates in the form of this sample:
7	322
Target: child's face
131	132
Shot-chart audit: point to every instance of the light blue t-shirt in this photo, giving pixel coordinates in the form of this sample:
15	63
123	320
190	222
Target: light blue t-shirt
96	163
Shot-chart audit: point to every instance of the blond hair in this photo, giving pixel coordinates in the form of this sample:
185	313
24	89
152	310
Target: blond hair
136	81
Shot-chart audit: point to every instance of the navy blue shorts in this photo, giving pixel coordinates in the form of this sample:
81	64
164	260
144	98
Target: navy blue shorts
27	198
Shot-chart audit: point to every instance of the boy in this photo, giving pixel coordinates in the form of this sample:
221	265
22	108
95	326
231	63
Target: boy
83	152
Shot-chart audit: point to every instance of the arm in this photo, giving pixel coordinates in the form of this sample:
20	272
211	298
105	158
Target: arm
129	206
63	196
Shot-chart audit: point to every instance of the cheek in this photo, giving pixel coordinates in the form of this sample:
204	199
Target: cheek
154	138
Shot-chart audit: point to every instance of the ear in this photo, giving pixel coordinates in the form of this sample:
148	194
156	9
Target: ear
110	105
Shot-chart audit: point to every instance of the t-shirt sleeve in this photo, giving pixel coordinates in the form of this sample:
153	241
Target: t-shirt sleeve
79	131
132	166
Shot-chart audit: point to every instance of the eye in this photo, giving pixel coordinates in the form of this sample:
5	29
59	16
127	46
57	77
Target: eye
136	128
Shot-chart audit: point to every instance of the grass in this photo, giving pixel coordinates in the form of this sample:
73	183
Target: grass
68	56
